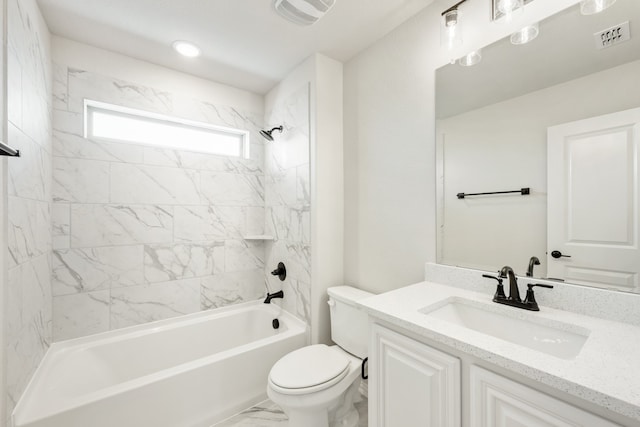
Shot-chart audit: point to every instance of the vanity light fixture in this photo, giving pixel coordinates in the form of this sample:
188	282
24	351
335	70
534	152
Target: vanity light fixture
471	58
450	35
508	8
526	34
590	7
187	49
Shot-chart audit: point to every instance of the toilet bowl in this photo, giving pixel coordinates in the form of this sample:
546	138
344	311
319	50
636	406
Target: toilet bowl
318	385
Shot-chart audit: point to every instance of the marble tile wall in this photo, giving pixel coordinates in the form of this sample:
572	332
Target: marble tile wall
143	233
288	201
28	317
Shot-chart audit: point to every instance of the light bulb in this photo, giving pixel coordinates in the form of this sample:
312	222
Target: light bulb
526	34
450	29
471	59
508	6
590	7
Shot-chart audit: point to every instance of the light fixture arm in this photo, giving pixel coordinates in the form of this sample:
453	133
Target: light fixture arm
454	7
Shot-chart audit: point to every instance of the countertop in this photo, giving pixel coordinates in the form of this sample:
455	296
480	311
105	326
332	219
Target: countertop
606	372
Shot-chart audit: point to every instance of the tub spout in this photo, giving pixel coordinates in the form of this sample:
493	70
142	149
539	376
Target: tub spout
279	294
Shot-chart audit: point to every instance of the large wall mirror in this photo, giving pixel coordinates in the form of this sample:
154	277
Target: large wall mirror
560	116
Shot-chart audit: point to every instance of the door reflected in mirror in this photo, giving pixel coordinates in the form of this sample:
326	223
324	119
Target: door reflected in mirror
560	116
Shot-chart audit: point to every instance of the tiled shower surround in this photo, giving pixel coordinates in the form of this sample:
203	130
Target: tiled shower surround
288	200
143	233
28	295
103	235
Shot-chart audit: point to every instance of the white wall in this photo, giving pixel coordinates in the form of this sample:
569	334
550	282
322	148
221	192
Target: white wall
388	111
390	218
327	197
504	146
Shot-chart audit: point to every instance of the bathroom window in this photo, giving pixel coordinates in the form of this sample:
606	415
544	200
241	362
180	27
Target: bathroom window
121	124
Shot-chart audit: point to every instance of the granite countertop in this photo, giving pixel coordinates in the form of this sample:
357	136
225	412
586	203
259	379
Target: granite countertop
606	372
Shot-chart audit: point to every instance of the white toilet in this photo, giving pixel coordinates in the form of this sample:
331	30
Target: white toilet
317	385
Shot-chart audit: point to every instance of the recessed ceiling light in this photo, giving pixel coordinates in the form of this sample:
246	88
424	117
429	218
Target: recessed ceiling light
186	49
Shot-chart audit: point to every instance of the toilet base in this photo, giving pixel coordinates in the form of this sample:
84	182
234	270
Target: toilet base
341	413
346	415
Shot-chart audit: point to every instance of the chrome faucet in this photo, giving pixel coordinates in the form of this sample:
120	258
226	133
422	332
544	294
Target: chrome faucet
514	292
532	261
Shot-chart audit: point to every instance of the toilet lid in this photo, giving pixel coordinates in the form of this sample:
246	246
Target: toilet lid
309	367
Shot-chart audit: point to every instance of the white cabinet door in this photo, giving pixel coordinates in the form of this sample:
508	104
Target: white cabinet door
499	402
411	384
593	201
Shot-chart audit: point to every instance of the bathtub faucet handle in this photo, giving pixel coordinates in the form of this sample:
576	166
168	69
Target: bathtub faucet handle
281	271
279	294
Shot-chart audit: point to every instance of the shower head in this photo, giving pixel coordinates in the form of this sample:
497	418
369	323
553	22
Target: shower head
267	133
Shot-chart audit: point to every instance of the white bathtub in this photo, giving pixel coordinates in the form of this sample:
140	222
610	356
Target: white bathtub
190	371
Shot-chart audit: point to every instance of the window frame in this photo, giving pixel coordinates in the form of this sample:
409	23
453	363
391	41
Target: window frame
118	110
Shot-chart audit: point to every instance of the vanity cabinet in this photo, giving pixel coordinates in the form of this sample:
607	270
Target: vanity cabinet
411	384
499	401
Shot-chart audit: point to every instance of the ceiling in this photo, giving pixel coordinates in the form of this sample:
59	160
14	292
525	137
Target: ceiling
244	43
564	50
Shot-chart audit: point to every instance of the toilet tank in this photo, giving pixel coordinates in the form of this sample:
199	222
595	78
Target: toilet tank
349	324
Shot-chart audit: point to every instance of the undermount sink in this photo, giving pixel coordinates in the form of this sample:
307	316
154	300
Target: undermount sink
554	338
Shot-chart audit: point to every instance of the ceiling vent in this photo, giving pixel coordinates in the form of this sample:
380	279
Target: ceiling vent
303	12
612	36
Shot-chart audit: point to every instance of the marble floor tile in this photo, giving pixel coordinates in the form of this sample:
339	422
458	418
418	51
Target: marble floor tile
268	414
265	414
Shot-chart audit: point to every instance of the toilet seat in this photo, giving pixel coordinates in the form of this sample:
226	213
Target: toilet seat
309	369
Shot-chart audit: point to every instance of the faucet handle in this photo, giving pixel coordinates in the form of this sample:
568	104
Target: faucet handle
281	271
530	286
488	276
530	299
499	295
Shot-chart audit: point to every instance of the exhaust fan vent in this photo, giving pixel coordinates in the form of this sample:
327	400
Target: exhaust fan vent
611	36
303	12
